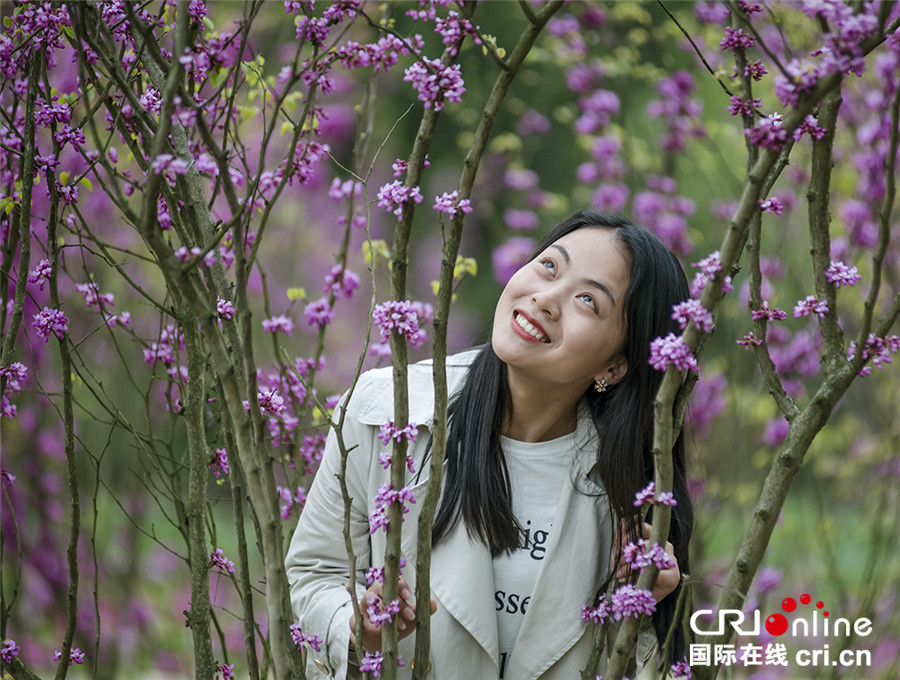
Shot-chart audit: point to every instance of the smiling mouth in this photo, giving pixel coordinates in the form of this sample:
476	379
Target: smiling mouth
524	324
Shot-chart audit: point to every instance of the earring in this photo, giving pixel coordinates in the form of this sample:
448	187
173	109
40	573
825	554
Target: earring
601	385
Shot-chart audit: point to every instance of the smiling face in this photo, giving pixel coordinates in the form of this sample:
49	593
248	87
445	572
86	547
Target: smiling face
561	319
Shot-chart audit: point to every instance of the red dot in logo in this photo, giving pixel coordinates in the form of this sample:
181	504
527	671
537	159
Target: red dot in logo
819	605
776	625
804	598
788	604
824	613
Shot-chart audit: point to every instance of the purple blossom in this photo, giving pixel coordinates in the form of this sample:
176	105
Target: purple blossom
371	663
68	192
810	305
271	402
435	82
765	312
641	555
509	256
318	313
399	316
755	69
644	495
224	309
520	220
219	561
799	78
290	500
49	321
749	340
666	498
392	197
219	464
776	431
300	638
629	601
450	203
598	614
9	650
314	31
772	205
453	29
385	459
388	432
380	615
227	671
341	190
736	40
671	350
40	274
278	324
610	197
93	297
692	310
681	670
532	123
341	282
75	656
768	133
809	125
840	274
383	499
877	349
743	107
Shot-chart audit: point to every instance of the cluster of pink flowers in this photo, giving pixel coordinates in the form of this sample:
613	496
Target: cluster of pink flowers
598	614
692	310
679	112
809	305
383	499
627	602
300	638
374	574
877	349
219	561
319	313
371	663
708	267
435	82
75	656
226	671
49	321
736	40
341	190
278	324
385	459
399	316
768	133
766	312
9	651
341	282
219	463
743	107
183	254
388	432
648	495
681	670
15	374
93	297
393	196
840	274
381	614
671	351
641	555
289	500
450	203
224	309
772	205
40	274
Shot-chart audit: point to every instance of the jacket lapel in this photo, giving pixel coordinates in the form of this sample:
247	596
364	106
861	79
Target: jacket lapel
576	563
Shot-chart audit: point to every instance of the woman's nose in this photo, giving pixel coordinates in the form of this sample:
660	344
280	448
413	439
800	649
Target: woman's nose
547	301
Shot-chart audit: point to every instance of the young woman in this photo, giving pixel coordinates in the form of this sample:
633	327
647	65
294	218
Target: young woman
550	436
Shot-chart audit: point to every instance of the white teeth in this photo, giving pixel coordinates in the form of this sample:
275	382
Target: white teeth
528	328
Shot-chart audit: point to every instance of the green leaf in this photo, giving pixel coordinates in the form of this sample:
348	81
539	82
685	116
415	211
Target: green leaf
86	183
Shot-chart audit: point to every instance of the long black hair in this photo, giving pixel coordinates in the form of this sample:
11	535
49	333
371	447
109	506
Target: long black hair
477	485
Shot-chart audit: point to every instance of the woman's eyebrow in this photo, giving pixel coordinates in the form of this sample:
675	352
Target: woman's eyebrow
596	284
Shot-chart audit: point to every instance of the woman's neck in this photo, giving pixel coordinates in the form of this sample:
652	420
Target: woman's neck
540	412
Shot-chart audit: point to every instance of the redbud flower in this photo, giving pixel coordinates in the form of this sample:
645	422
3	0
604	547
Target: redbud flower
692	310
319	313
380	615
598	614
40	274
388	432
629	601
224	309
383	499
645	494
92	296
221	562
765	312
219	464
810	305
75	656
300	638
435	82
749	340
9	650
736	40
227	671
49	321
392	197
341	282
399	316
671	350
772	205
841	275
450	203
277	324
371	663
681	671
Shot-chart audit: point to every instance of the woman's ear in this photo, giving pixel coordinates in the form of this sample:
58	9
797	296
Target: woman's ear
615	372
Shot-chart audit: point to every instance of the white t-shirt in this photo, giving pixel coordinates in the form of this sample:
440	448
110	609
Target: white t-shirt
537	472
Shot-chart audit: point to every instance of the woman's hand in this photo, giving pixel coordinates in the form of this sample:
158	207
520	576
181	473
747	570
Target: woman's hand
406	624
667	579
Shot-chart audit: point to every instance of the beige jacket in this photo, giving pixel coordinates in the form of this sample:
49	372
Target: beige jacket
553	642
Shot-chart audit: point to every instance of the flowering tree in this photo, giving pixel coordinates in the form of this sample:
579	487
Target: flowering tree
152	168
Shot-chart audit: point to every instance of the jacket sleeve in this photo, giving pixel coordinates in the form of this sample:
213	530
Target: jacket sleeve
317	564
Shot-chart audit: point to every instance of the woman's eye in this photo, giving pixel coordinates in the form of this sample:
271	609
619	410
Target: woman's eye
549	265
588	300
